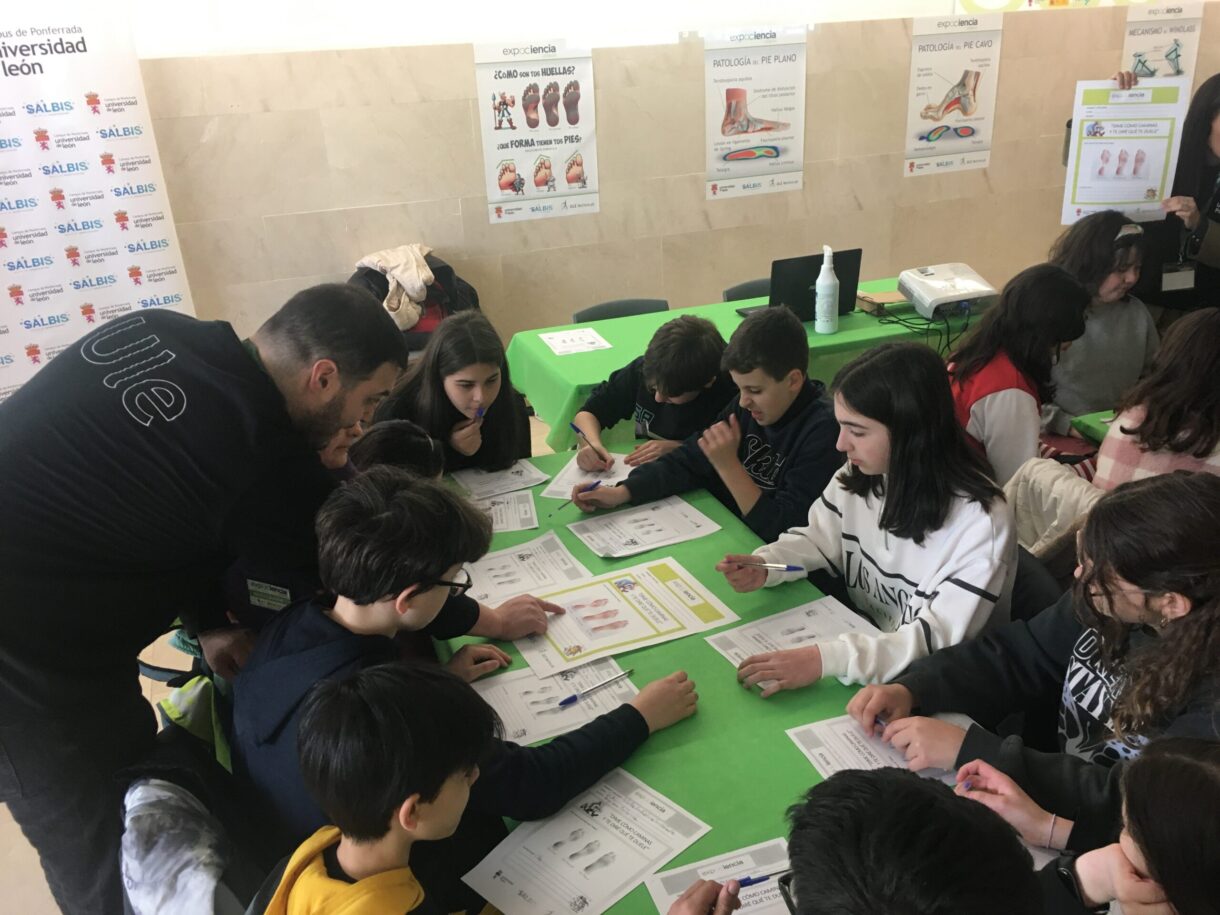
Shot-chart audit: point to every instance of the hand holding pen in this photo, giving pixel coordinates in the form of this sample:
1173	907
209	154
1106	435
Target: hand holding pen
591	458
747	572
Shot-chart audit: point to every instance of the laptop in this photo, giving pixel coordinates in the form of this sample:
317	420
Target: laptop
793	279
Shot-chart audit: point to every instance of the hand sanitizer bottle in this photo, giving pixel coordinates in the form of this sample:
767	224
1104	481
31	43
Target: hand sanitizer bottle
826	307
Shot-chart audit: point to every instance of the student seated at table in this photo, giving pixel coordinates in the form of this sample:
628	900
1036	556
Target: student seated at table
1104	252
399	443
674	390
1001	375
461	394
1132	654
391	549
914	529
1168	853
771	450
1171	419
389	755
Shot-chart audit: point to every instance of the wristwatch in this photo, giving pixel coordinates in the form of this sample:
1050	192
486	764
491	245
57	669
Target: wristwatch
1065	867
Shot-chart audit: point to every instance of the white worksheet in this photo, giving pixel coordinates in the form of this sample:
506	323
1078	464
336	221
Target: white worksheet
799	627
529	705
510	511
571	475
580	340
483	484
589	855
766	859
541	564
631	608
643	527
840	743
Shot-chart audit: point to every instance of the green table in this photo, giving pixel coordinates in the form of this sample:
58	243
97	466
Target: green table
558	385
1094	426
731	765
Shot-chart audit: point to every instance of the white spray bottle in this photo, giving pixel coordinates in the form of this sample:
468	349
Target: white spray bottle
826	303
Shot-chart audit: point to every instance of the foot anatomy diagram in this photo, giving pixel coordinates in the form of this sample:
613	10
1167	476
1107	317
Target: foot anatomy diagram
510	182
1173	57
543	176
961	97
737	117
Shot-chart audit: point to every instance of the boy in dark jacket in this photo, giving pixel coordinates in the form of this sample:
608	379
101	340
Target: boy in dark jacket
391	548
673	391
771	451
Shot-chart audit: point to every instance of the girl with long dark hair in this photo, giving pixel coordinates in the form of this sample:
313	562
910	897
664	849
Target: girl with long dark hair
1001	376
1132	653
914	528
461	394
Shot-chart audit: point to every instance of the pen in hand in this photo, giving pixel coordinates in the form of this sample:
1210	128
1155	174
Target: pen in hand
598	451
580	694
773	566
592	486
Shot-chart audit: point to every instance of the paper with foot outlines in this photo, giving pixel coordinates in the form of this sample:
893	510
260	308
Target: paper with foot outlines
510	511
589	855
572	475
541	564
483	484
580	340
529	705
643	527
761	860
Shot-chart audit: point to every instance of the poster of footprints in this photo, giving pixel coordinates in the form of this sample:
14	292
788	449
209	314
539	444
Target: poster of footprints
539	130
955	67
754	101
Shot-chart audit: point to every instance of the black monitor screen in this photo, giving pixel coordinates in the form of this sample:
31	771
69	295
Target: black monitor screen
792	277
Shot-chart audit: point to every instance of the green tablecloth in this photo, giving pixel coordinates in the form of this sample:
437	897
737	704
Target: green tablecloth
731	765
558	385
1094	426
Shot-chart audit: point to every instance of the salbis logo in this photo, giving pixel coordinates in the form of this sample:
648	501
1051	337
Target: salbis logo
44	107
17	294
94	101
34	353
120	216
57	197
88	313
136	275
42	137
72	253
108	162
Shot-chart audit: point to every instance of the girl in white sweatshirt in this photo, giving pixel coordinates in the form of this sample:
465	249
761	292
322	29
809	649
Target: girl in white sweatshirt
914	527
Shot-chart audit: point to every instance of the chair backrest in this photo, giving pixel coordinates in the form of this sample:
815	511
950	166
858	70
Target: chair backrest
619	308
750	289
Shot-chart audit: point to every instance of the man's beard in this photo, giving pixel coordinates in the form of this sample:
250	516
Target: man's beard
321	425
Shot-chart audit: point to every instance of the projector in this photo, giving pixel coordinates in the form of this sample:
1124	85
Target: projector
943	289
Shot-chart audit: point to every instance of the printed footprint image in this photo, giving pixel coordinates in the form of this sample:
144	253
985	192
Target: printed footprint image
550	104
575	170
962	97
574	836
1141	165
1121	170
737	117
508	175
604	861
609	627
529	105
571	101
1104	159
589	848
604	615
543	176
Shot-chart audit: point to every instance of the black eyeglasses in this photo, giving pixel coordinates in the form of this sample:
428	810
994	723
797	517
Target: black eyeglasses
785	891
456	588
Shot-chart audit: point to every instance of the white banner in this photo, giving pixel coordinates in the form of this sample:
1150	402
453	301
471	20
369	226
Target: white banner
754	107
86	232
1163	40
955	65
539	130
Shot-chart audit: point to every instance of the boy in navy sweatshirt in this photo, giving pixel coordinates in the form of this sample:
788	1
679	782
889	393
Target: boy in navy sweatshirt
676	389
772	449
391	548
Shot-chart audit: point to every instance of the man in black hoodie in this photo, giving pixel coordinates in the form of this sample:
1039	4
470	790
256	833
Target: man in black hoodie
390	548
771	451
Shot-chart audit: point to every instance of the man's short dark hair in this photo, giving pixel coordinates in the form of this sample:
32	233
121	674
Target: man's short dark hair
388	529
886	840
773	340
369	742
683	356
342	323
399	443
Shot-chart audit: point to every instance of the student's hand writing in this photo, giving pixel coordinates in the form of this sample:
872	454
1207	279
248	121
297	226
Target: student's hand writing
889	702
1107	874
467	436
707	897
1184	208
719	441
226	650
986	784
520	616
649	451
791	668
602	497
927	743
590	461
666	701
740	574
473	661
1125	79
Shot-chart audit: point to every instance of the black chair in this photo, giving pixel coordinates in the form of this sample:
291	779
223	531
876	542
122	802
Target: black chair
750	289
619	308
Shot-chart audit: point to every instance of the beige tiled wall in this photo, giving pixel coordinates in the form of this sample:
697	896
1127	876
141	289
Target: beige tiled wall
284	168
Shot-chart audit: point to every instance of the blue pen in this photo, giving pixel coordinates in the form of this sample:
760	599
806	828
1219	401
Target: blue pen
576	697
581	432
592	486
478	414
754	881
775	566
